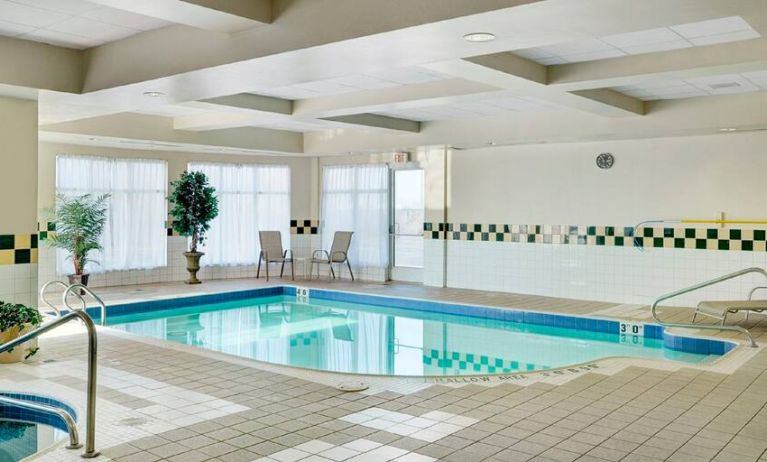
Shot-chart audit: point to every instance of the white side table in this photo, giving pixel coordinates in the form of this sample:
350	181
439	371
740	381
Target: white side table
304	263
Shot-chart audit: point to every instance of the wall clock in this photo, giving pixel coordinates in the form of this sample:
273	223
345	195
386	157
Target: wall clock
605	160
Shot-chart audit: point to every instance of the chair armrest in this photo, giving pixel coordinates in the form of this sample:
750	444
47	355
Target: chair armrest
314	253
286	252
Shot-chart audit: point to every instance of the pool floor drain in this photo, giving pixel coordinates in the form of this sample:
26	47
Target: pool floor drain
133	421
352	386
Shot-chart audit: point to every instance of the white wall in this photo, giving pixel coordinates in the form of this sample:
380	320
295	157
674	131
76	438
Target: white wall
559	184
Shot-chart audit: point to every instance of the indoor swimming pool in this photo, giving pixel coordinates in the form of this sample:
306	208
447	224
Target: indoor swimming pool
351	333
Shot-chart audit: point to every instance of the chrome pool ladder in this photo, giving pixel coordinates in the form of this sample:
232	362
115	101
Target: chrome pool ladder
73	289
90	422
701	285
66	417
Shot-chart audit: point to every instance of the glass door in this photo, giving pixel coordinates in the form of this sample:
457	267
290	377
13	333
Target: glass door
407	224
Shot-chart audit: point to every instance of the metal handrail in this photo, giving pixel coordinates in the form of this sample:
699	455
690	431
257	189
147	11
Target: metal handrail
44	288
74	438
701	285
753	291
88	291
90	423
635	238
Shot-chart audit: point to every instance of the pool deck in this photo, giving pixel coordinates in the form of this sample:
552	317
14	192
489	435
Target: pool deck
166	402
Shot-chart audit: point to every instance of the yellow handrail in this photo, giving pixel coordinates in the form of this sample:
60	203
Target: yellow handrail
725	222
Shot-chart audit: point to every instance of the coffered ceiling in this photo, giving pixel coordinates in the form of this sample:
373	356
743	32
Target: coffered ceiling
329	77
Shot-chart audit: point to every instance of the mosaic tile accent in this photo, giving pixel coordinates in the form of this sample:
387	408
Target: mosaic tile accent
480	364
18	249
614	236
296	227
45	229
304	226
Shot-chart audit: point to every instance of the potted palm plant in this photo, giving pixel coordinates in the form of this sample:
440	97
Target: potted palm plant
80	222
15	320
195	205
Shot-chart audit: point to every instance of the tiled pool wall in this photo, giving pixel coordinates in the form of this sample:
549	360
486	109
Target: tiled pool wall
13	412
591	268
673	342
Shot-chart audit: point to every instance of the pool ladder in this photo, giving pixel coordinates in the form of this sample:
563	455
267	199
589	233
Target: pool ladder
60	320
701	285
76	290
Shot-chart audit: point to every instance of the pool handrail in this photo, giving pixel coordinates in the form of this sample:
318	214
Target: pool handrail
69	421
88	291
50	305
701	285
90	422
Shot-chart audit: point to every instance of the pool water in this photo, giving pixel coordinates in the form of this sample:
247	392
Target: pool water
357	338
19	440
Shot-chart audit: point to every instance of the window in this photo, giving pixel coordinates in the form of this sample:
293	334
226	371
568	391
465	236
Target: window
135	235
356	198
408	218
251	198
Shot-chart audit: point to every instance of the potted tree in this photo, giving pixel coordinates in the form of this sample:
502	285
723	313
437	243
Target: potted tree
80	222
15	320
195	205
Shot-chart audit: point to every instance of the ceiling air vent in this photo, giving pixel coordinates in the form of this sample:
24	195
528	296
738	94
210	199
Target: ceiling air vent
719	86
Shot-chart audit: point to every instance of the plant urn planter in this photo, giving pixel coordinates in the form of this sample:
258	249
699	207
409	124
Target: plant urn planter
193	266
18	353
78	279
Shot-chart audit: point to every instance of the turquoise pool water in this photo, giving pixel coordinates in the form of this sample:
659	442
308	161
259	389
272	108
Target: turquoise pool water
357	338
19	440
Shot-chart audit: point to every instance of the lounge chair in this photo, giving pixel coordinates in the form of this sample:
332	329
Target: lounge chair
272	252
339	253
721	308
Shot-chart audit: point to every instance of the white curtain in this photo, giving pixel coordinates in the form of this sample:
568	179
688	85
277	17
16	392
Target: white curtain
251	198
135	235
356	198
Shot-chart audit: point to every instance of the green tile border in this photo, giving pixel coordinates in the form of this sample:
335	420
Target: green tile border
750	240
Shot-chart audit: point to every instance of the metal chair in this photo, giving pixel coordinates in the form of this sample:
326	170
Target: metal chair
272	252
339	251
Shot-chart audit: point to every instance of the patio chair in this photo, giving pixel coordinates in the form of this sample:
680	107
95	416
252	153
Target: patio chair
339	253
272	252
720	309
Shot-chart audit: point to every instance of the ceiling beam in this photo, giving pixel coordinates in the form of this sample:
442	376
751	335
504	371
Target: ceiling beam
378	121
524	77
693	116
36	65
211	15
725	58
387	99
157	128
256	110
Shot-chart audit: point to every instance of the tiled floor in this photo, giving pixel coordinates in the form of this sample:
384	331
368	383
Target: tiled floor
161	403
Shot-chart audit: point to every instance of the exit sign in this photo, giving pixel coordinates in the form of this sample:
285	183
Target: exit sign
401	157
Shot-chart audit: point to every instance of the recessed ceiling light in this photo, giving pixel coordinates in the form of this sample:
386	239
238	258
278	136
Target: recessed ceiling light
92	139
728	129
479	37
491	143
154	94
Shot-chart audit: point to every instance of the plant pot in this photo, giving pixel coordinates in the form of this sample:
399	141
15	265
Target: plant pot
18	353
78	279
193	266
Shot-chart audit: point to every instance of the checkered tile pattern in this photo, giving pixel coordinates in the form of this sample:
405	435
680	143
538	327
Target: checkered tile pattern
656	237
480	364
304	226
18	249
45	229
